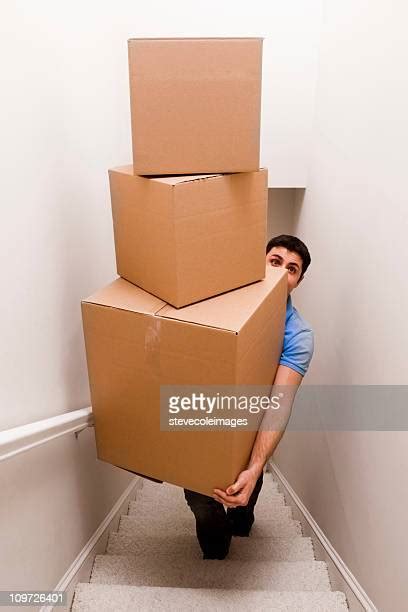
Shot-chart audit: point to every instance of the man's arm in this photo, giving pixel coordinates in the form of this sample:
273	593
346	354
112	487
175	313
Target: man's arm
266	441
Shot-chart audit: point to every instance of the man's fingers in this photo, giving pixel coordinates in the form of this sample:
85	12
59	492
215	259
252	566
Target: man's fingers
237	486
230	500
221	496
227	498
234	504
225	503
236	494
234	488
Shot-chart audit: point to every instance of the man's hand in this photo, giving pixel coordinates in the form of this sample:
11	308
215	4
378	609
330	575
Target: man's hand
238	494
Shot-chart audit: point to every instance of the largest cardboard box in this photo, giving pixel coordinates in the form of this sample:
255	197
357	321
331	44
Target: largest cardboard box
188	238
135	342
195	104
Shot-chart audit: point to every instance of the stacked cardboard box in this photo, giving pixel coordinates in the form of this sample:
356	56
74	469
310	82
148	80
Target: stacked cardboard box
194	304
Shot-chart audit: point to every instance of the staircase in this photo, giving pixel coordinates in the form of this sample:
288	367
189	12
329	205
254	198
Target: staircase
154	562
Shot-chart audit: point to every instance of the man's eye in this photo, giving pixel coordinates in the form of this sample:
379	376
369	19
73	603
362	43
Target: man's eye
292	270
275	262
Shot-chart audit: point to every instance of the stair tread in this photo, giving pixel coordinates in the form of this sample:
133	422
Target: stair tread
184	523
174	572
263	509
105	598
169	495
297	548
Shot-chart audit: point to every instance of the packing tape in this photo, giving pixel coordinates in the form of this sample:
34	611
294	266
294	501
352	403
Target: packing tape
152	345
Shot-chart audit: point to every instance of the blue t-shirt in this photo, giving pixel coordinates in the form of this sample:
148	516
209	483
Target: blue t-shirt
298	341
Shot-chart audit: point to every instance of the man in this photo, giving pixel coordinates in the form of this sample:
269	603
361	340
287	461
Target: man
214	525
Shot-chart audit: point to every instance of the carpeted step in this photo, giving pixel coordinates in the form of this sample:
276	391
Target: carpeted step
211	574
297	548
262	510
170	496
183	523
108	598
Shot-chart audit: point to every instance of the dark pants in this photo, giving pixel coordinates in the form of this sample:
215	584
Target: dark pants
215	526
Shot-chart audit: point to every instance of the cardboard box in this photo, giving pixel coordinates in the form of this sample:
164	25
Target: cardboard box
135	342
195	104
188	238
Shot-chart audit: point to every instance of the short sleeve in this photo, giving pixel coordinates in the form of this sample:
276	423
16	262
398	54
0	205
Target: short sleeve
298	351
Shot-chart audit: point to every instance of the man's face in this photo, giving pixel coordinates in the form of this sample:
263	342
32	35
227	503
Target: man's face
282	258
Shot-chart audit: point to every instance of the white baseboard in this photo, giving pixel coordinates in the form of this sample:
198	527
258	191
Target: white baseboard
81	568
341	577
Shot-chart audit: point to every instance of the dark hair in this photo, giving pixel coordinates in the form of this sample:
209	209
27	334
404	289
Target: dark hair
292	244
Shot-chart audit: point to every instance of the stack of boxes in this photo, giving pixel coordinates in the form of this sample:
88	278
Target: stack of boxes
194	304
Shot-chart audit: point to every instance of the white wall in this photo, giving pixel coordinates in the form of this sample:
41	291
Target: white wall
52	500
290	59
354	218
281	211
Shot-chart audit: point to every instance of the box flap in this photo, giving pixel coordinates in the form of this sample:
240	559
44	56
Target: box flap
182	178
188	178
126	296
169	180
231	310
127	169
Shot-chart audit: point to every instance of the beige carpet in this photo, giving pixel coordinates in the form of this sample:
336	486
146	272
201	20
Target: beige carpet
154	562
